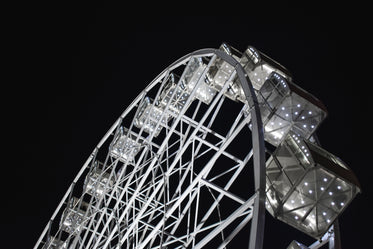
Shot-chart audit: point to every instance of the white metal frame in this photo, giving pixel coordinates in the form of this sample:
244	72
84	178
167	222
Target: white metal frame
146	207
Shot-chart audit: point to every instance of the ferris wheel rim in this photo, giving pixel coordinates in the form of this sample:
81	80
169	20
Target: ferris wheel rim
256	237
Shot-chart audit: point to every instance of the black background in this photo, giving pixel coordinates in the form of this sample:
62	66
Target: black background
73	71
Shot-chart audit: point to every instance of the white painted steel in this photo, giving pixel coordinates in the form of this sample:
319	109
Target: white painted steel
172	193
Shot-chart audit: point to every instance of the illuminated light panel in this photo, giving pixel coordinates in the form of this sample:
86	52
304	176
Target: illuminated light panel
307	187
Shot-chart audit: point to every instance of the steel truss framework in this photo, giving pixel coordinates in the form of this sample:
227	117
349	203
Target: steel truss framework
170	172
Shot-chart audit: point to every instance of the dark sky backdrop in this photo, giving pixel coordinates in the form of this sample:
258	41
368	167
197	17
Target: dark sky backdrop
72	87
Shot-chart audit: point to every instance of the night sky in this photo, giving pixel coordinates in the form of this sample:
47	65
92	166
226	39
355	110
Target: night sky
74	80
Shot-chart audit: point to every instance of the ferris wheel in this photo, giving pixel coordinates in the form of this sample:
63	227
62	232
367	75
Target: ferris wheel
214	141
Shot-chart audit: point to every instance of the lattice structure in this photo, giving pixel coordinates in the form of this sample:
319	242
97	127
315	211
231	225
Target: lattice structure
184	165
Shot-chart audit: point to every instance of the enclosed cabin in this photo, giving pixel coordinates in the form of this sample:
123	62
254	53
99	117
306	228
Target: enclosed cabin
75	216
307	187
257	66
125	145
194	78
154	115
98	182
174	95
286	107
151	117
55	243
